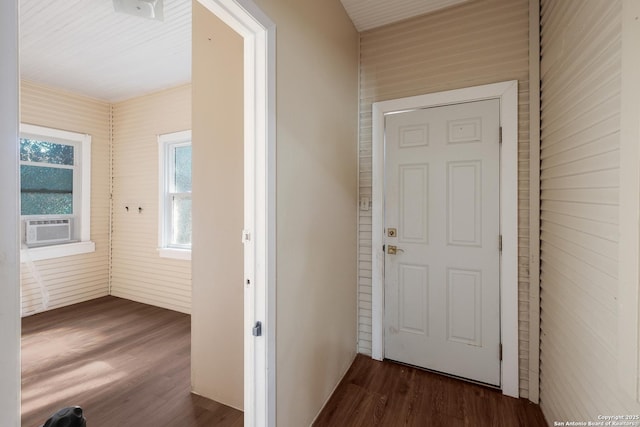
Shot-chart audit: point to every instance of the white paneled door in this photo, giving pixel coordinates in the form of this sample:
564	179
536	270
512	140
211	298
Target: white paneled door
442	232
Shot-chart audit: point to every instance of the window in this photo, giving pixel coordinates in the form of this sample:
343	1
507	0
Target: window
47	179
175	195
55	191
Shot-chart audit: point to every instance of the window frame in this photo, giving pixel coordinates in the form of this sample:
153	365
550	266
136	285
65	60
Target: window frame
167	143
81	194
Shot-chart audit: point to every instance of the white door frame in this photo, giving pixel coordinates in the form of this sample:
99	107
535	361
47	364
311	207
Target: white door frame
9	226
259	34
507	93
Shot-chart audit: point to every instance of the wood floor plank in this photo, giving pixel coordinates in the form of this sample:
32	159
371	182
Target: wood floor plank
389	394
125	363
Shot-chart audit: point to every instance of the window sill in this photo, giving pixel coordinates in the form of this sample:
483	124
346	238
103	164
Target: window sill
57	251
184	254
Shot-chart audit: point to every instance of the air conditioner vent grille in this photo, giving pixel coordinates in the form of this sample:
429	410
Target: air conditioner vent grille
47	231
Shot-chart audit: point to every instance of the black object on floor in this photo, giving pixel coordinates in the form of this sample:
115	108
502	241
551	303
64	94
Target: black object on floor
67	417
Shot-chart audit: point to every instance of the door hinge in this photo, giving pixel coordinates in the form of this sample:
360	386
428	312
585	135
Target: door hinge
246	236
500	352
257	330
500	243
500	135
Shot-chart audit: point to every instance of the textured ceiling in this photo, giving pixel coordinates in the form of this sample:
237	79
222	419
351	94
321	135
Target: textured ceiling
368	14
86	47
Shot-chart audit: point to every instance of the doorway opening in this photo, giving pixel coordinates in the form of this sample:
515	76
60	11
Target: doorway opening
258	235
258	33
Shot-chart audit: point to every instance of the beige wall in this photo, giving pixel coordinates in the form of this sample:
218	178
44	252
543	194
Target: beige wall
130	128
317	63
72	279
138	272
583	49
482	42
217	359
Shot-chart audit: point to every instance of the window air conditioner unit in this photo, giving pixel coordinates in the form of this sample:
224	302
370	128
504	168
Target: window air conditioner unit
48	231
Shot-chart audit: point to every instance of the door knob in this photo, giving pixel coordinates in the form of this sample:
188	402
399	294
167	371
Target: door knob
393	250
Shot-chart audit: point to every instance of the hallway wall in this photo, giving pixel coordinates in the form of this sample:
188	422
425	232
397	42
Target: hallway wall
582	46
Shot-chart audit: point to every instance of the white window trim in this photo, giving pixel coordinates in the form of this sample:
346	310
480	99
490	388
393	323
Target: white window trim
175	253
85	245
165	141
57	251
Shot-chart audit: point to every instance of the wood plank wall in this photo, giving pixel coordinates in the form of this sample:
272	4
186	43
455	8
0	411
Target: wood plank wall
580	188
76	278
137	271
473	44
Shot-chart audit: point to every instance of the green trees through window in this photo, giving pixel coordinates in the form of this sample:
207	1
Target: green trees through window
46	177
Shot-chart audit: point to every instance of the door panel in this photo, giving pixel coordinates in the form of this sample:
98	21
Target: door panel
464	216
414	307
464	308
442	197
414	201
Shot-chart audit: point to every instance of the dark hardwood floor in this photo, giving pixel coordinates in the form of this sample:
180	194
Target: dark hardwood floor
128	364
125	363
376	393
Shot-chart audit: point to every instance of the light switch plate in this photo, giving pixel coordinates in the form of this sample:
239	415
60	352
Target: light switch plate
364	203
